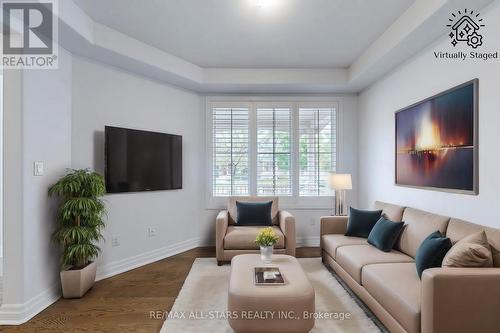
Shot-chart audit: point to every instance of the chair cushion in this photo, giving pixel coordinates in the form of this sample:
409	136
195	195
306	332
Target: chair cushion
391	212
397	288
361	222
243	238
254	213
354	257
384	234
332	242
419	225
233	211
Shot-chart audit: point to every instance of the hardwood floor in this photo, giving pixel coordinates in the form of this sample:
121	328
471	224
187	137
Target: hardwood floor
123	302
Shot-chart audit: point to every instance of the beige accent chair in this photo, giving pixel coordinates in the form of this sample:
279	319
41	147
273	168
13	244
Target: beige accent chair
446	300
231	240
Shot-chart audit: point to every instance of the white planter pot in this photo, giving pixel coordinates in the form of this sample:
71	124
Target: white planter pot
266	254
76	282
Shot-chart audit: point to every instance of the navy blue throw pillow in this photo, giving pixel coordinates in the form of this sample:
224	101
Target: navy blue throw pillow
384	234
361	222
254	213
431	252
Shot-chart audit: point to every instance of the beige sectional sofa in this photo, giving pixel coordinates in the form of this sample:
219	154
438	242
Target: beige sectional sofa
445	300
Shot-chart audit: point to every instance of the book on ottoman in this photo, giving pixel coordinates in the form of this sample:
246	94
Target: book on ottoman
268	276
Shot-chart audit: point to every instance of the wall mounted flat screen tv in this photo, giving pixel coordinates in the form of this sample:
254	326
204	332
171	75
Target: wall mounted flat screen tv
142	161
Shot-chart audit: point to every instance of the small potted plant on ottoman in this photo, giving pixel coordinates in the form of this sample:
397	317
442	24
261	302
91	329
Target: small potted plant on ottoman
266	239
79	225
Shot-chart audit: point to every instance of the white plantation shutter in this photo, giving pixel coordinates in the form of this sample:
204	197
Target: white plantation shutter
274	129
317	150
280	148
230	128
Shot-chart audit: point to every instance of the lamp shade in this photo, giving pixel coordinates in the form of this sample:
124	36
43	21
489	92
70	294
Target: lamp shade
340	181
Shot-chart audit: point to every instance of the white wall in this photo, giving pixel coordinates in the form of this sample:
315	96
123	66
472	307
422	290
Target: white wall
1	172
47	138
37	127
419	78
107	96
13	261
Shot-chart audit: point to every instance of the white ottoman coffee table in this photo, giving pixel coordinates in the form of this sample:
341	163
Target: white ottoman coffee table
269	308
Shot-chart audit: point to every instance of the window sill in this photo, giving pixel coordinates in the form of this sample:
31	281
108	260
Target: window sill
286	203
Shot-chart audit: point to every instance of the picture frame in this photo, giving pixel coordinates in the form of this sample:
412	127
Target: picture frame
437	142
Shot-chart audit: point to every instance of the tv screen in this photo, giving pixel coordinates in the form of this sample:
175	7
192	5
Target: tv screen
142	161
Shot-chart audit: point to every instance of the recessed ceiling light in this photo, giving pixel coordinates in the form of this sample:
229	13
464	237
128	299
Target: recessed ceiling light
263	3
267	4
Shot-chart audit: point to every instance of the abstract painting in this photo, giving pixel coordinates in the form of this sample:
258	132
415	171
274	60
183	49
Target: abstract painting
436	141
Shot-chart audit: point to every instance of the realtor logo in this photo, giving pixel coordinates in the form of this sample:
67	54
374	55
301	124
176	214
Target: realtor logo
465	27
29	38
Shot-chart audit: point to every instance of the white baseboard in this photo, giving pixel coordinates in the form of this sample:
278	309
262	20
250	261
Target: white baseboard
17	314
308	241
121	266
124	265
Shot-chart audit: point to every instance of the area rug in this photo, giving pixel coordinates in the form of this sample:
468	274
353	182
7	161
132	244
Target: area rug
204	296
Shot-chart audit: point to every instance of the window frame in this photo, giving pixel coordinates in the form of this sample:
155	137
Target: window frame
294	201
335	158
211	145
253	166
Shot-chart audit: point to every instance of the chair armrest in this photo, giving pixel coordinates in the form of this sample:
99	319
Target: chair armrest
460	300
221	223
333	225
287	226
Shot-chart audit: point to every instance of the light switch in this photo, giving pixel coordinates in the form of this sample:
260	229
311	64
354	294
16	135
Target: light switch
38	168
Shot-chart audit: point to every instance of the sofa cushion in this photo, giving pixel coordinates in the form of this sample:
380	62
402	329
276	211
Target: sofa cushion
243	238
233	211
354	257
391	212
419	225
458	229
385	234
431	252
471	251
254	213
361	222
333	241
397	288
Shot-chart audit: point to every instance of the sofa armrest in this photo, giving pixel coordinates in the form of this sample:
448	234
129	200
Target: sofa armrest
460	300
221	224
333	225
287	226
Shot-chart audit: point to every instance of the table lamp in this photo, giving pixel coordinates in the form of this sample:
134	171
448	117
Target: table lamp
340	182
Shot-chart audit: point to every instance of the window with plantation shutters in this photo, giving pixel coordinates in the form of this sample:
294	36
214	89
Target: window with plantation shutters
230	143
267	147
317	147
274	163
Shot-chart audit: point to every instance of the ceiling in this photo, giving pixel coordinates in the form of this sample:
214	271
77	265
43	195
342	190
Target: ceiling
238	46
252	33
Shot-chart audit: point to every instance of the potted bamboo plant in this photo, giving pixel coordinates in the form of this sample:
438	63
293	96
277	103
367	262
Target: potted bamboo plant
80	221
